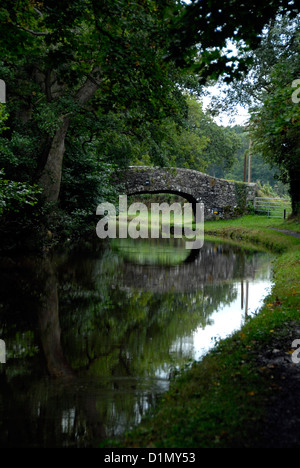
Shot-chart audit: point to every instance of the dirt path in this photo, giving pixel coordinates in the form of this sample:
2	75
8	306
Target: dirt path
289	233
281	427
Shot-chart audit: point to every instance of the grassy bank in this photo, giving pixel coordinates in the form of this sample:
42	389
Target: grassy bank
221	401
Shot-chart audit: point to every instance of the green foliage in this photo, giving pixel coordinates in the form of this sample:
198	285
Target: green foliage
209	25
14	195
3	118
266	190
220	152
260	170
275	129
50	52
267	89
91	84
198	143
241	196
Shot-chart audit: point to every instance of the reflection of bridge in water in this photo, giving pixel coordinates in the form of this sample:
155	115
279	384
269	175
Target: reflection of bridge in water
212	264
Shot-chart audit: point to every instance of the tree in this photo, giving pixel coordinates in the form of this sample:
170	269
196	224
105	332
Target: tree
182	143
65	61
222	143
278	42
197	143
267	88
275	128
260	170
203	30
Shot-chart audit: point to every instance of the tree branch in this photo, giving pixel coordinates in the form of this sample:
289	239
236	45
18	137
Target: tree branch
38	12
90	86
34	33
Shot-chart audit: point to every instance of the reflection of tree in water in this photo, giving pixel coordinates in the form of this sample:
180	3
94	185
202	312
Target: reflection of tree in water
133	331
127	331
36	410
73	318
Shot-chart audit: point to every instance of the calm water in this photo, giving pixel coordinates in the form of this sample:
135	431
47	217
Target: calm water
93	337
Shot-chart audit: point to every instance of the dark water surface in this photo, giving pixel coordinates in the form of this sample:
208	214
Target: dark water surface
92	337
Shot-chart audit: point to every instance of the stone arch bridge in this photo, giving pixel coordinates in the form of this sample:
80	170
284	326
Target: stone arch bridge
219	196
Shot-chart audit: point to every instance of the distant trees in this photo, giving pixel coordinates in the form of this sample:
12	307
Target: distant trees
197	143
260	170
94	83
219	144
268	89
275	126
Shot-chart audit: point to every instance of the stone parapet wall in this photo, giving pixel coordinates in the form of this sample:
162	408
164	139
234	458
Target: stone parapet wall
227	197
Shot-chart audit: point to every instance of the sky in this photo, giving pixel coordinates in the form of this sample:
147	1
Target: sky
227	119
224	119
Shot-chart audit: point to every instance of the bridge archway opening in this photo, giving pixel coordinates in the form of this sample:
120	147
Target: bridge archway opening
160	196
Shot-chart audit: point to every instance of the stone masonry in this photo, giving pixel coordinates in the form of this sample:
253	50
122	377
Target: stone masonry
224	197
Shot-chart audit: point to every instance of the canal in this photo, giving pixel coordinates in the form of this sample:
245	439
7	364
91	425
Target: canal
94	336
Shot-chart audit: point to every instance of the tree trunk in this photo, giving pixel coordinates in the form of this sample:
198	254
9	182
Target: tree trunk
295	193
50	179
48	315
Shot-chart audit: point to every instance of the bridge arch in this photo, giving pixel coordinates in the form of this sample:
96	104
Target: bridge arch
187	196
216	194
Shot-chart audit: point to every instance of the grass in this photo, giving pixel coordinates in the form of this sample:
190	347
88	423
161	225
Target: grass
258	230
220	401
